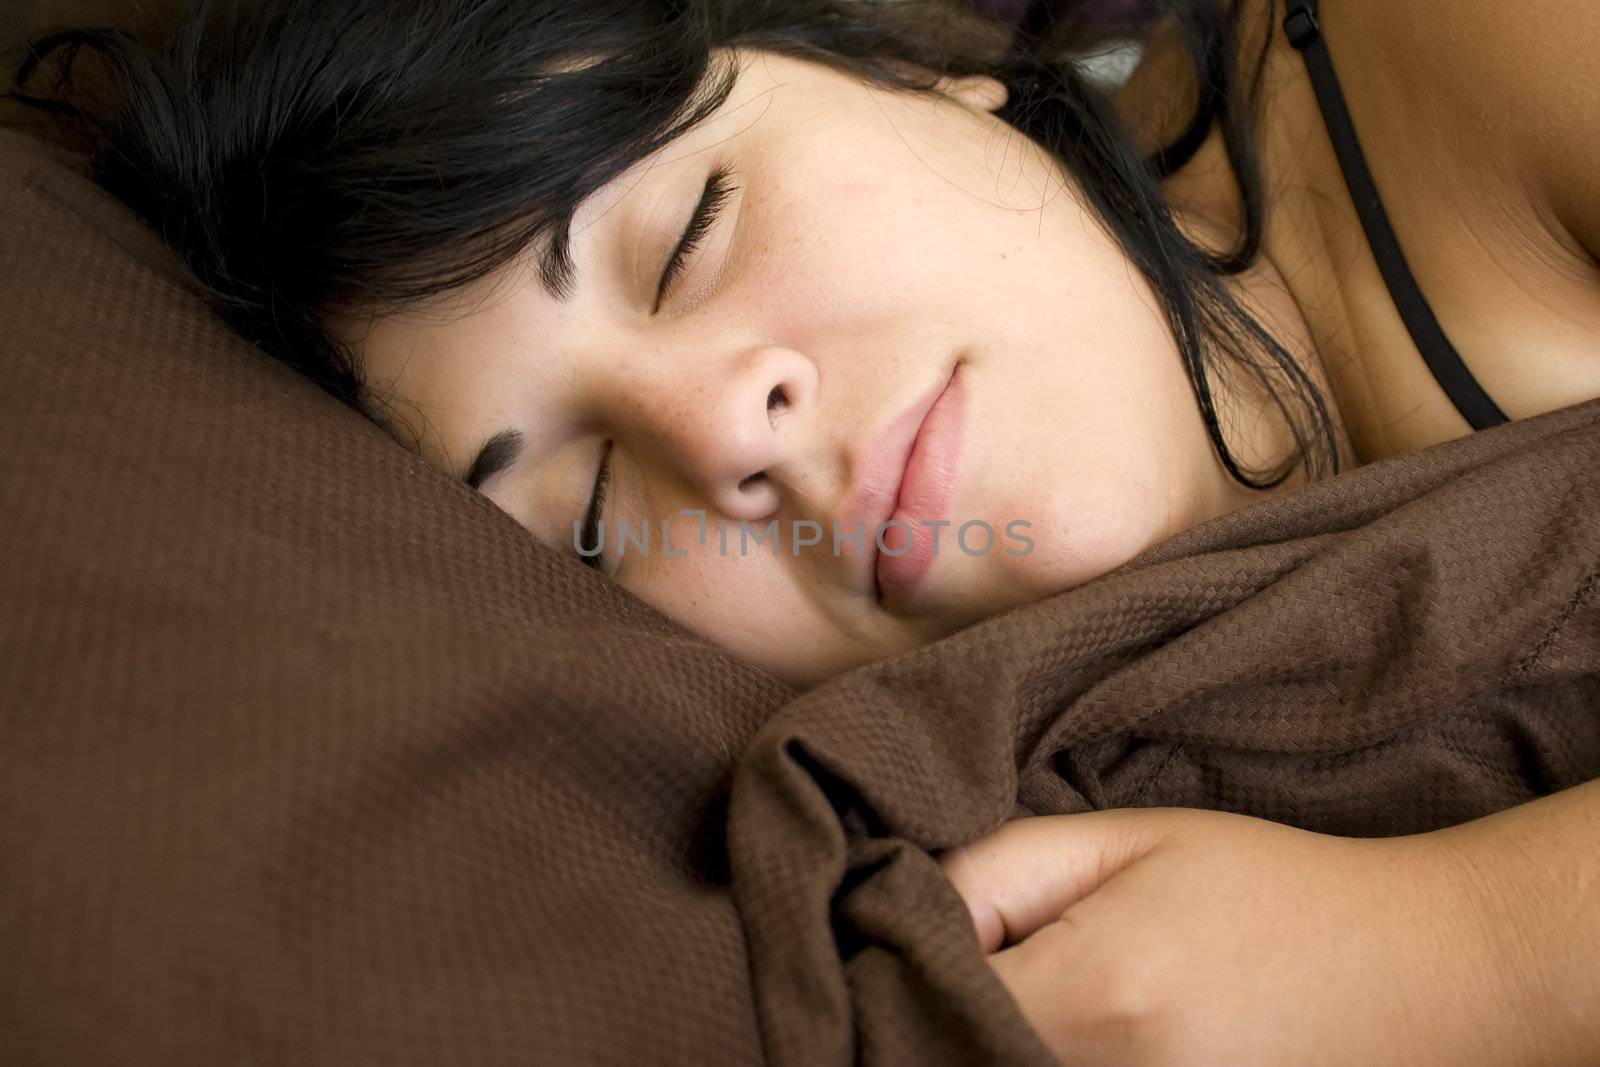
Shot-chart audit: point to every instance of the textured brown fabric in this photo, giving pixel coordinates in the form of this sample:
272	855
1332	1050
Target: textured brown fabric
311	756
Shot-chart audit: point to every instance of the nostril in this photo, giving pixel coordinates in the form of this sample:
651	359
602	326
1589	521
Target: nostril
777	398
751	482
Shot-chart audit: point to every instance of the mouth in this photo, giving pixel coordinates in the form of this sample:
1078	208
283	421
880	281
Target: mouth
908	475
923	500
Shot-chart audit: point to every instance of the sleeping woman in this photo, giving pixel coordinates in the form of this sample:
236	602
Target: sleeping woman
831	327
870	333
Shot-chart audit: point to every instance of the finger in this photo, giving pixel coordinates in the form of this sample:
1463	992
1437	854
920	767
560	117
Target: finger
1049	975
1029	871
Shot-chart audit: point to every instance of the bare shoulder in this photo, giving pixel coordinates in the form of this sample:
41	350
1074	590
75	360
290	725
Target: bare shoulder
1477	118
1516	85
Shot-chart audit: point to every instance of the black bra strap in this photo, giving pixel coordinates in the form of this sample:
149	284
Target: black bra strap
1442	359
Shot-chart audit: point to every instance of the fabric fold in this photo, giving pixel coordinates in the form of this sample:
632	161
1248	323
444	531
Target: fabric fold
1411	645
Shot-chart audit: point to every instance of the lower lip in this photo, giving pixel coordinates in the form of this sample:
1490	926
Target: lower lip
930	481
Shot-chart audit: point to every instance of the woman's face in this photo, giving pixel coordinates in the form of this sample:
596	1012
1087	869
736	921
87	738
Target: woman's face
900	312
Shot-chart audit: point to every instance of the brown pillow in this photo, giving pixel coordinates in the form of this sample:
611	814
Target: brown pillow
312	755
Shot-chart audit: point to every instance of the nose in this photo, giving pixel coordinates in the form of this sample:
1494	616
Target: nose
733	426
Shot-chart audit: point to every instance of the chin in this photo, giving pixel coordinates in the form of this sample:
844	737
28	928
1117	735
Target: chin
970	594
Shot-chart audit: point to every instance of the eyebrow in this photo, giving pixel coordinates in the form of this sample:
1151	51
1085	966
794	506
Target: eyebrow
498	453
558	275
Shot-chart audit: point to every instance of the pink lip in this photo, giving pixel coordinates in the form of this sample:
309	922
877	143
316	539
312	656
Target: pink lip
925	490
908	473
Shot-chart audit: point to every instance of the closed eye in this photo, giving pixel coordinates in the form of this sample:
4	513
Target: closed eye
589	528
718	188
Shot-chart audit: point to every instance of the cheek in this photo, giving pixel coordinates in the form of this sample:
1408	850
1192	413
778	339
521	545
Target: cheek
1082	526
748	604
1083	443
1064	510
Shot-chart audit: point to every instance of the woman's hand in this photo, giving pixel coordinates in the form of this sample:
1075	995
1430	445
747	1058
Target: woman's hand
1178	936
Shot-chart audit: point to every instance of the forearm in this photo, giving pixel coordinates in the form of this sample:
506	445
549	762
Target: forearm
1532	874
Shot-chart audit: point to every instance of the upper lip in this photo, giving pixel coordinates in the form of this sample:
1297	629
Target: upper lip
881	469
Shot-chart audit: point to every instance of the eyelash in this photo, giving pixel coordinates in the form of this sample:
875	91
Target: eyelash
591	518
718	187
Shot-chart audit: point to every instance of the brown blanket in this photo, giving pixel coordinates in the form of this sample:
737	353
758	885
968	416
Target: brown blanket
311	756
